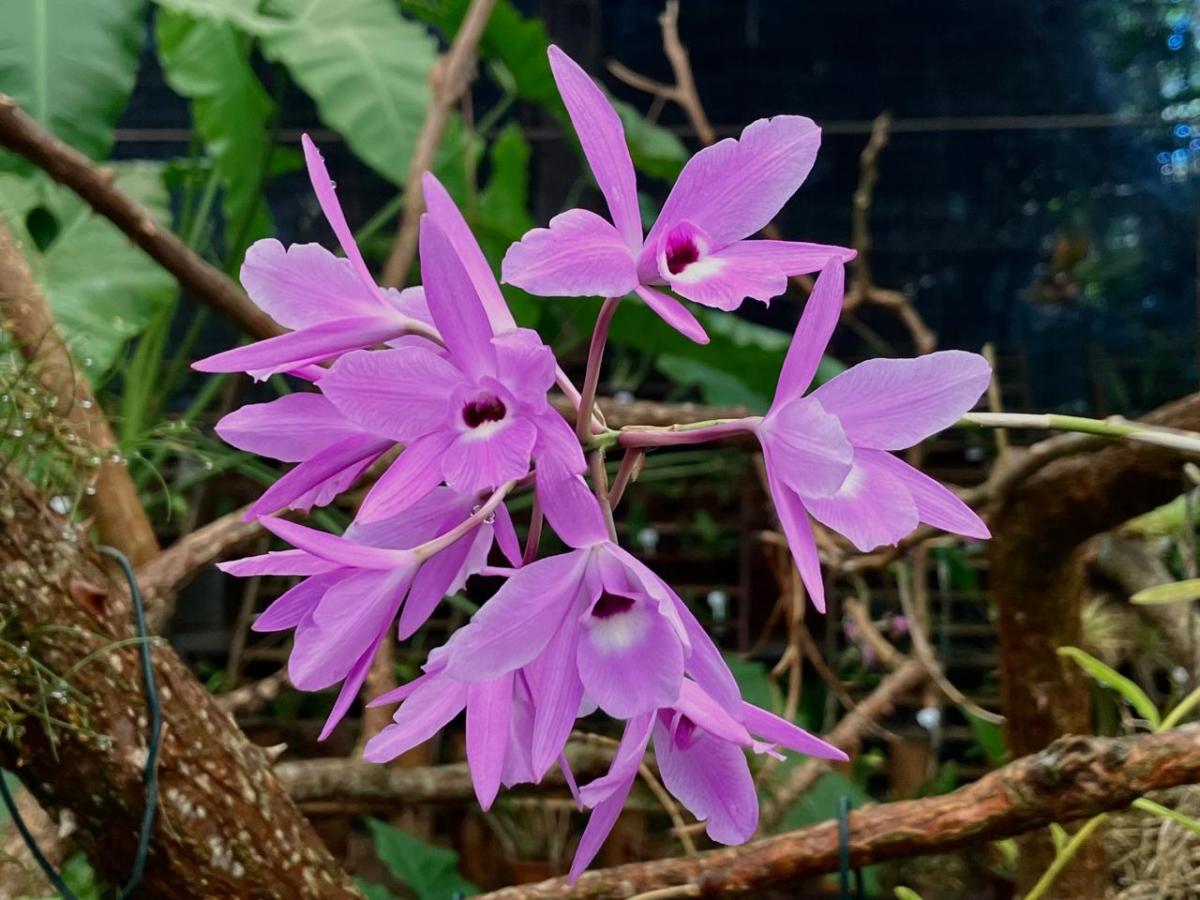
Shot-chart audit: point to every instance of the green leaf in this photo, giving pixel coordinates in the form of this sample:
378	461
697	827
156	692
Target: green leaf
373	891
71	64
716	386
208	62
1178	592
81	878
656	151
820	802
905	893
364	65
752	681
1166	812
367	69
431	872
989	736
1059	837
102	289
504	203
1110	678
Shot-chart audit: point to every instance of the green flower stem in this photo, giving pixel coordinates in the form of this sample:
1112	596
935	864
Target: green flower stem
672	435
1187	441
1068	853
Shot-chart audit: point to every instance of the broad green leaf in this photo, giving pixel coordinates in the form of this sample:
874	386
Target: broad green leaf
752	681
716	386
1165	812
1178	592
431	872
511	39
1110	678
504	203
656	151
989	736
71	64
208	62
905	893
365	66
102	289
373	891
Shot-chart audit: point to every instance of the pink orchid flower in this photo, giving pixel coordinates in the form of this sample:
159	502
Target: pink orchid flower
700	746
357	583
828	454
473	415
698	245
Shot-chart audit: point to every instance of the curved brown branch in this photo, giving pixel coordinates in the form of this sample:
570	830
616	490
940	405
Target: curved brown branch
225	826
450	78
208	284
1073	778
165	575
24	313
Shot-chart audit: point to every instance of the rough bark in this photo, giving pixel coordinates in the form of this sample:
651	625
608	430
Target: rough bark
120	519
1039	527
1075	777
225	826
21	133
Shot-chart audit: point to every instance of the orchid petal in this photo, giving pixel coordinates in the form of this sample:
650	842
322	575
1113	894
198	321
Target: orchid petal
324	474
400	394
579	255
305	285
599	825
806	447
489	705
439	576
506	535
299	348
673	313
290	428
890	404
626	761
277	562
337	549
603	140
291	607
936	505
712	779
572	511
349	618
427	710
517	623
796	527
735	187
781	731
557	691
455	304
446	215
817	322
326	192
872	507
483	457
703	710
631	662
557	452
412	475
350	688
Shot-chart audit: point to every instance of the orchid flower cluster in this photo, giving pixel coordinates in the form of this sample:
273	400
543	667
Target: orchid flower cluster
442	374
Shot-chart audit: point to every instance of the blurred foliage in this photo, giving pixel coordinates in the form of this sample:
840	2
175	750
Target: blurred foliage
430	872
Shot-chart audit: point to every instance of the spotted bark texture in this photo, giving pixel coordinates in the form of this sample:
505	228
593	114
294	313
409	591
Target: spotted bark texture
75	732
1073	778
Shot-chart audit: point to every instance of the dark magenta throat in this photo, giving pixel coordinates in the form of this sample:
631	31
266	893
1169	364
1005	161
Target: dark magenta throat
610	605
484	408
680	255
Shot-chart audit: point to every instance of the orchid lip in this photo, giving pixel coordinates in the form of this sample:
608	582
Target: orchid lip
610	605
482	409
680	256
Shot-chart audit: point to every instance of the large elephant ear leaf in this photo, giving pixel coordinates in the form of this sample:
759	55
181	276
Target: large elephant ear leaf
102	289
71	64
367	69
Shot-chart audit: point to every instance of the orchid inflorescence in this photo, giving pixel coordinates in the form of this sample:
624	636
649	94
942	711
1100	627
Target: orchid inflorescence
444	373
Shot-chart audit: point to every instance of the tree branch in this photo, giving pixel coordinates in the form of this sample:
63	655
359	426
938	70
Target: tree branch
449	79
24	313
1073	778
208	284
75	717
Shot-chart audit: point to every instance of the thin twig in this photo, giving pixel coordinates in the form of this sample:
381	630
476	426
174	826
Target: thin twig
205	282
449	79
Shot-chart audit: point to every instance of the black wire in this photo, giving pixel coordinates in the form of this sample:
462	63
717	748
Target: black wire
844	854
154	744
40	858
